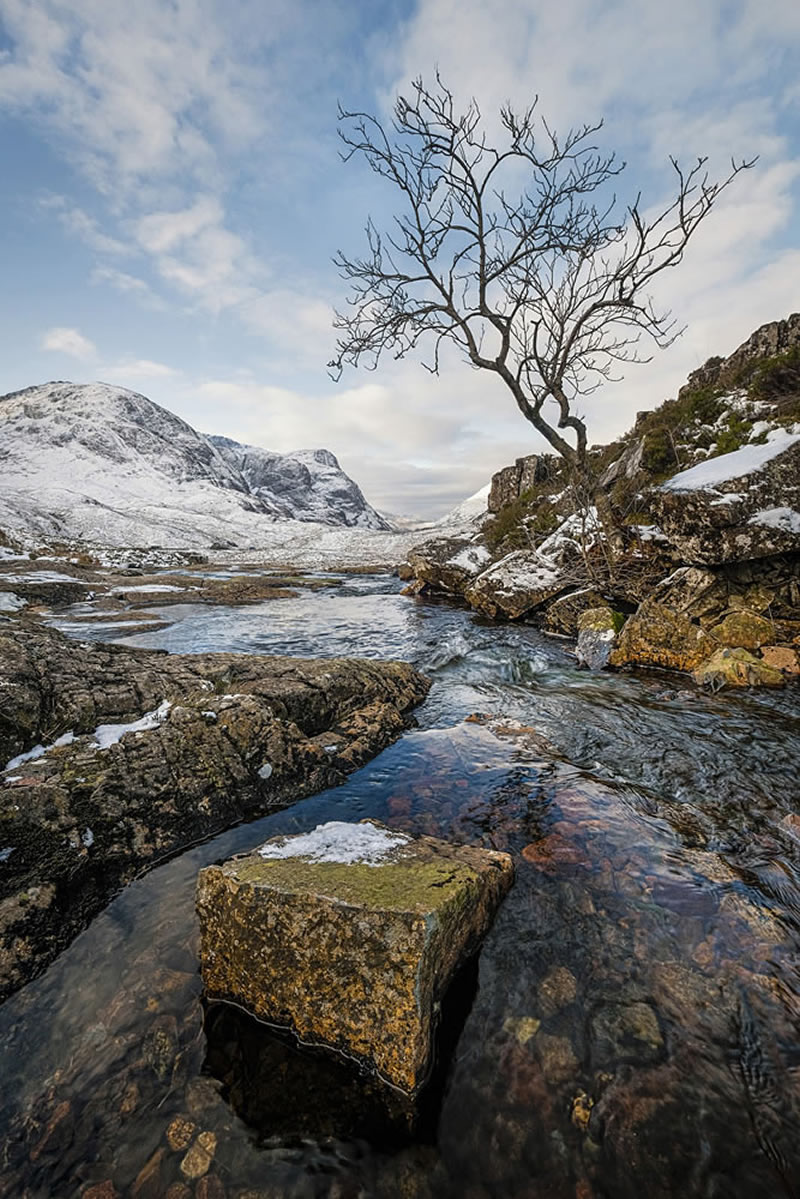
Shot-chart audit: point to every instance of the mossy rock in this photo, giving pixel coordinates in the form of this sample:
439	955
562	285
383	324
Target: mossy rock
349	955
737	668
745	630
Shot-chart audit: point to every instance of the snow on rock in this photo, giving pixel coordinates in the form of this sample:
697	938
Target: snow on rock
100	464
337	841
38	751
305	485
777	518
739	506
735	465
518	583
10	602
106	735
472	558
148	587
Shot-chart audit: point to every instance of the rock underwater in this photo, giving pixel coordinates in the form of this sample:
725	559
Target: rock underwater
116	758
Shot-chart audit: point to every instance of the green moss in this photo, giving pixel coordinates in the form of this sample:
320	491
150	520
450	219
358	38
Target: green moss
401	885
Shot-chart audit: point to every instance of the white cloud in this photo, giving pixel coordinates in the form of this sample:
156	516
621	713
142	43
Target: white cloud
62	340
138	368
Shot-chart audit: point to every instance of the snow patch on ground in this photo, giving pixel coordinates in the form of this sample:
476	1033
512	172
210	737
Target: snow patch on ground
42	576
106	735
736	465
338	841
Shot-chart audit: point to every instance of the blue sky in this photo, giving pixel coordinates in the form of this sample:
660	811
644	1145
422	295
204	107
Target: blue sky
172	197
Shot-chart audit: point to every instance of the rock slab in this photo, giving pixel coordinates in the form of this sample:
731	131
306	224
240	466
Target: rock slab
350	952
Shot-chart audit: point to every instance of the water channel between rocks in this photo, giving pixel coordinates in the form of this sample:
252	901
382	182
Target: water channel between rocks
634	1031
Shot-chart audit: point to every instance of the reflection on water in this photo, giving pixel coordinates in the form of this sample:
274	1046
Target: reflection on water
635	1027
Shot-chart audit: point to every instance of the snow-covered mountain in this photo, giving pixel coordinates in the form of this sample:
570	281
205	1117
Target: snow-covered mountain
106	465
304	485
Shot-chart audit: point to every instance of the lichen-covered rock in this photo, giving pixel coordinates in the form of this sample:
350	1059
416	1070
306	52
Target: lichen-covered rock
657	635
782	657
511	482
743	629
519	583
737	668
738	506
597	632
562	614
154	752
448	564
349	936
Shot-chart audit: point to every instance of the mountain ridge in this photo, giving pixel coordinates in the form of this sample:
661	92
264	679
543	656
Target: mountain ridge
96	462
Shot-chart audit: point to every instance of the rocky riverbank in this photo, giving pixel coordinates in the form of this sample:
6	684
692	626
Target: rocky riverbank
703	571
117	758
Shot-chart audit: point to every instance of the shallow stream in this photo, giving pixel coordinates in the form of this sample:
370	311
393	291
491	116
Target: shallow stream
634	1032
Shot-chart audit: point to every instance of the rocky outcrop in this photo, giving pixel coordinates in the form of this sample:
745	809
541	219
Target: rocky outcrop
695	613
519	583
448	564
116	758
774	338
513	481
735	507
349	936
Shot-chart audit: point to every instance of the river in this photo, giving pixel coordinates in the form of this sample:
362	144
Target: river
632	1029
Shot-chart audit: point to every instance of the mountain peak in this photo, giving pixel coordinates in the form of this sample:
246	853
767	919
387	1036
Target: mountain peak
99	462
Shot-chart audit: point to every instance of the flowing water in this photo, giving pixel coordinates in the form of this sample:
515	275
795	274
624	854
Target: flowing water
633	1028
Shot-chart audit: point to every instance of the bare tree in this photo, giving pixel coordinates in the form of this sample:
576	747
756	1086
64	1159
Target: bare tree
548	287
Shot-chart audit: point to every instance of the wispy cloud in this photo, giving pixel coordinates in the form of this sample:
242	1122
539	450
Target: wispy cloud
62	340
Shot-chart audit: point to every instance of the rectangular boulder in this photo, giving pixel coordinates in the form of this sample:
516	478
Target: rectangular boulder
349	936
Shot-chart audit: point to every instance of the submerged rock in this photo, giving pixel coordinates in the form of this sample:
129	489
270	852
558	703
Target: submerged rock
349	936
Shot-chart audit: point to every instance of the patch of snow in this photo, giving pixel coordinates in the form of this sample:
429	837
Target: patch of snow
760	426
265	771
470	559
727	497
7	554
577	528
106	735
6	853
146	587
650	533
10	602
209	715
777	518
88	838
737	464
42	576
38	751
338	841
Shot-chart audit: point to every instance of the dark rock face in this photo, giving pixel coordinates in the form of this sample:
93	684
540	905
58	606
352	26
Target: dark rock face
236	736
509	484
773	338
